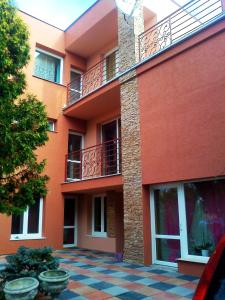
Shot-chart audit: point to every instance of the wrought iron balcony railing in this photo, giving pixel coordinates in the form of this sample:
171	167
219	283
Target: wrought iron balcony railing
97	76
94	162
193	16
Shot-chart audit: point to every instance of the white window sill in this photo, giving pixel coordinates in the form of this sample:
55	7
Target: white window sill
202	260
25	238
98	235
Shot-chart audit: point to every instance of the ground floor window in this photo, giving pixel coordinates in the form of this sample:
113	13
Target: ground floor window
28	225
99	218
188	219
205	213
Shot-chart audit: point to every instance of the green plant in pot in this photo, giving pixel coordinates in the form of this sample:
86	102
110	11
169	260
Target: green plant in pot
28	262
205	248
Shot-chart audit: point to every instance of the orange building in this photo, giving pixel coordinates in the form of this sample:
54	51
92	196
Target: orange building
136	150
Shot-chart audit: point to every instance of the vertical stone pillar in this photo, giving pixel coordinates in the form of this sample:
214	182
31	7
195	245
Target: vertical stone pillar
128	30
111	218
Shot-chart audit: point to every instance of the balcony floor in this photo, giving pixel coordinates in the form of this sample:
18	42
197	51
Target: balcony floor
101	184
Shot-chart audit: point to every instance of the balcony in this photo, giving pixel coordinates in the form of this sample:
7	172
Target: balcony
187	20
94	162
97	76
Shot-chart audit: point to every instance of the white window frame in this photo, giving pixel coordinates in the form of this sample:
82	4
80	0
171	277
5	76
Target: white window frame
61	65
183	236
101	233
81	81
105	67
30	236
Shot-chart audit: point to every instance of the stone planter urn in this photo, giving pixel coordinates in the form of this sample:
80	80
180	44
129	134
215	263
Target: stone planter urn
25	288
54	282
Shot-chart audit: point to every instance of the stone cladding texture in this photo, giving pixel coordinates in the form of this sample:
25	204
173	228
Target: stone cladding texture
128	29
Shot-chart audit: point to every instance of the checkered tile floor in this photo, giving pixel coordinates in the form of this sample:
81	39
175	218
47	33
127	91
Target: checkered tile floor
96	276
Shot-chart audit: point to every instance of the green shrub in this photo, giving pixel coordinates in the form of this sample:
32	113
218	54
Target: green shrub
29	262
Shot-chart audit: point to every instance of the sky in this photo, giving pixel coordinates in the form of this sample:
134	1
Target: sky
61	13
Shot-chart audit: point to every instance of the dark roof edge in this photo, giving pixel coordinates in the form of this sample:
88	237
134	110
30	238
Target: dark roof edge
39	19
87	10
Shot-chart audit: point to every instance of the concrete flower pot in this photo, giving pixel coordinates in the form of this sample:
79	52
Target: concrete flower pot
54	282
21	289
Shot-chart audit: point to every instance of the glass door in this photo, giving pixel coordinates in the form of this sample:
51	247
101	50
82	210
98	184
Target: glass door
70	224
110	136
75	145
75	85
166	235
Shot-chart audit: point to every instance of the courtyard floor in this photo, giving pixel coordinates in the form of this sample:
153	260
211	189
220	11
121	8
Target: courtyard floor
96	276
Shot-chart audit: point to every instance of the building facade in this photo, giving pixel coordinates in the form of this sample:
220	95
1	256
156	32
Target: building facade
136	150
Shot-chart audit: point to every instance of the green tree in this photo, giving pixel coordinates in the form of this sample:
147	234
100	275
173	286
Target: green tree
23	120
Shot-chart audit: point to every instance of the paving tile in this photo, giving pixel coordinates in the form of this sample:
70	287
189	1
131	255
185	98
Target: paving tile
162	286
177	281
89	281
78	264
180	291
119	274
107	271
145	269
101	285
97	269
165	296
132	278
159	277
84	290
131	296
188	277
78	277
190	285
149	291
133	266
74	284
98	295
68	295
146	281
158	271
133	286
115	290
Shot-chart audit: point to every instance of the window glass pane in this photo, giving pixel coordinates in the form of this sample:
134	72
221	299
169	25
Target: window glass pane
69	212
33	217
166	211
205	210
167	250
17	224
75	86
51	125
47	67
68	237
97	214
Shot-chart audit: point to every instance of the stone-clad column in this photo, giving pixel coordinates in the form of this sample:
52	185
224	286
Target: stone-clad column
130	131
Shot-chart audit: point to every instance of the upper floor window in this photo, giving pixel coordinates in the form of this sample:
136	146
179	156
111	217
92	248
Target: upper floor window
111	65
28	225
48	66
51	125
